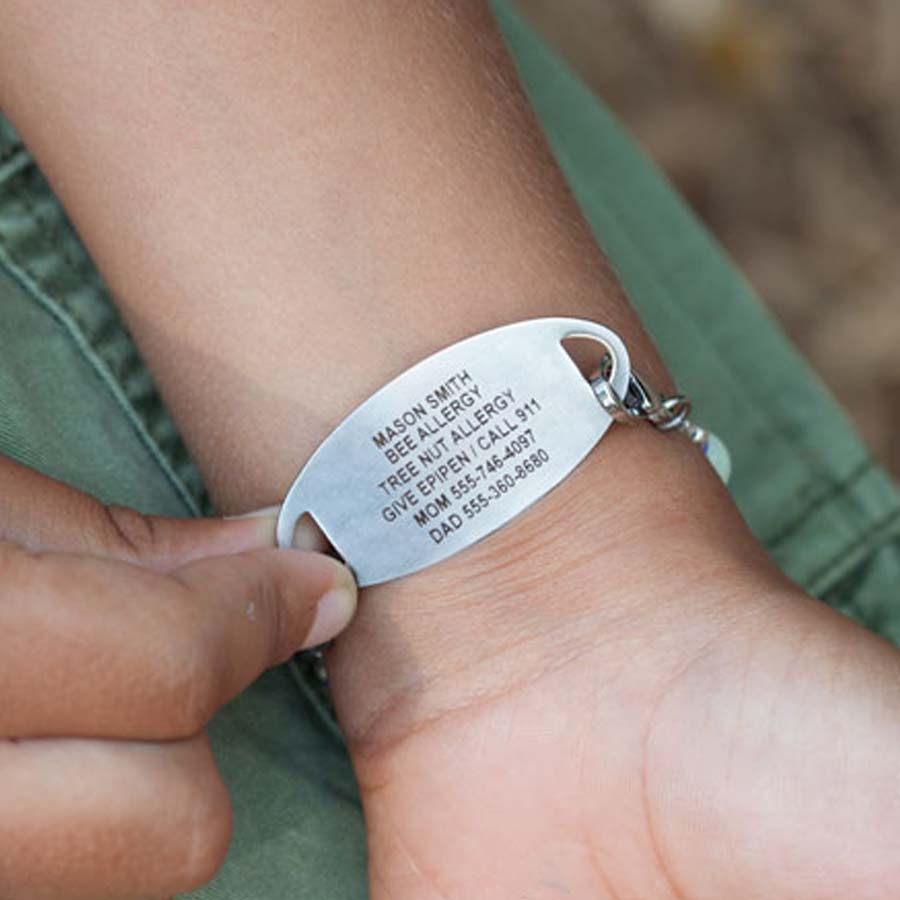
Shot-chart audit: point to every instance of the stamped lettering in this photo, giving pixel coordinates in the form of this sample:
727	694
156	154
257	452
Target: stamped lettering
453	448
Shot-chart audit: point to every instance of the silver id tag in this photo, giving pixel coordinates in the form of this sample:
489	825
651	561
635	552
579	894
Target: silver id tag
453	448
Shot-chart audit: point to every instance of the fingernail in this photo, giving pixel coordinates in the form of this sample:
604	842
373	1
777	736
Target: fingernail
335	609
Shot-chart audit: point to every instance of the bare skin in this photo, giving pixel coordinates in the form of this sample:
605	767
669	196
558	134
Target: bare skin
617	696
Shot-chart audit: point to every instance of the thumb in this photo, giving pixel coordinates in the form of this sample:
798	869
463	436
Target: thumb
43	514
160	668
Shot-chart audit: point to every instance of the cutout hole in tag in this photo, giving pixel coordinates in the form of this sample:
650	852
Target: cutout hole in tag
591	355
308	535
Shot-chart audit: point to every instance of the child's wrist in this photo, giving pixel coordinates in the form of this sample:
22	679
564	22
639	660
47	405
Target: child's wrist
588	562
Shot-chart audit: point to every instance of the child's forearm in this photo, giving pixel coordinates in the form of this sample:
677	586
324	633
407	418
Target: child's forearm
293	202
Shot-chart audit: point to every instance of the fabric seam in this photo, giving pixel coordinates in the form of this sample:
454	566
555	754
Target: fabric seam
13	162
835	490
28	281
85	272
866	540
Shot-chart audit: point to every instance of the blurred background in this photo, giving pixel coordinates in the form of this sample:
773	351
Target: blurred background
780	124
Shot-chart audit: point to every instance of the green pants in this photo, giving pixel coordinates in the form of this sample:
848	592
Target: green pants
77	403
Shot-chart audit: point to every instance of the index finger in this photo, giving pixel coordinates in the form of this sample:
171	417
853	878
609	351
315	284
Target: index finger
41	513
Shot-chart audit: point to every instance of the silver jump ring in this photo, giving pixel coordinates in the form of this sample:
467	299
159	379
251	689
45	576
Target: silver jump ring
673	413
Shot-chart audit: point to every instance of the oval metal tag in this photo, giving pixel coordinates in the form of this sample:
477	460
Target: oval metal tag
454	448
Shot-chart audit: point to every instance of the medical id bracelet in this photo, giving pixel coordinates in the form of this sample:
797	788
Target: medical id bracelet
458	445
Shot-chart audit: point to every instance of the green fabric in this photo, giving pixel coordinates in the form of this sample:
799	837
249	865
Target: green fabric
76	402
